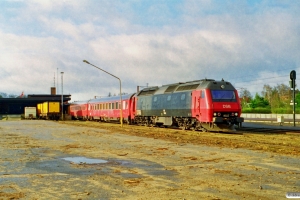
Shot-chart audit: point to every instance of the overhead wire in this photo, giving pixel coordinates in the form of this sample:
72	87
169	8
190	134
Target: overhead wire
243	77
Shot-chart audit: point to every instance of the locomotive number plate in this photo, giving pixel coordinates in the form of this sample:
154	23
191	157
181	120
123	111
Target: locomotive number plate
226	115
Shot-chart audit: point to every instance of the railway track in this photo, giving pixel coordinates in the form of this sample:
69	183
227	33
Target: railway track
257	129
267	130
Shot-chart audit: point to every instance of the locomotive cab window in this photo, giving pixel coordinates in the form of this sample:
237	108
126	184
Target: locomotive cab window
223	95
202	94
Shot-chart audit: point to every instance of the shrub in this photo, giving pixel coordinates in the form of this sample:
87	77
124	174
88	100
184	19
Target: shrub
285	111
257	110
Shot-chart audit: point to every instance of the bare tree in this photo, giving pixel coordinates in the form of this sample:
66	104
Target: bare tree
245	97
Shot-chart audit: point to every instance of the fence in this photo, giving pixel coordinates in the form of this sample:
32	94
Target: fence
271	117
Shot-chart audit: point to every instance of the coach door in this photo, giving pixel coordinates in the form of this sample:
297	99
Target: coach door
196	104
132	108
203	109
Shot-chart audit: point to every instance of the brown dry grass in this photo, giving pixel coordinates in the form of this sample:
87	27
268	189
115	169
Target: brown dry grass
280	143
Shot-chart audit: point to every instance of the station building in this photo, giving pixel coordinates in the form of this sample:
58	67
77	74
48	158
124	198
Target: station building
16	106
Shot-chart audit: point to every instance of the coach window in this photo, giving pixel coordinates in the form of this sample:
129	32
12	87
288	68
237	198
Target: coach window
112	105
117	105
183	97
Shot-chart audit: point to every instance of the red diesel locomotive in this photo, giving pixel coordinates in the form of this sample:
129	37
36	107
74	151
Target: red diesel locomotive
200	105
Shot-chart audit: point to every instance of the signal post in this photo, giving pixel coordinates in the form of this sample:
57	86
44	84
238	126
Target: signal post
293	85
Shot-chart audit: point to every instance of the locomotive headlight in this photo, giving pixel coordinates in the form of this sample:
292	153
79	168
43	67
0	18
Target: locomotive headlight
219	114
215	114
236	114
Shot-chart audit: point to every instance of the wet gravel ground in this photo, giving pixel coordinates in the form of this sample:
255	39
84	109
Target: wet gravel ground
52	160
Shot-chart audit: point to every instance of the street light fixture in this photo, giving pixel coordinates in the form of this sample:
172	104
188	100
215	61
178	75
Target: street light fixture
62	96
121	108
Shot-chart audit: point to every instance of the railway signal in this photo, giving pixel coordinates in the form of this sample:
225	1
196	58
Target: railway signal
292	84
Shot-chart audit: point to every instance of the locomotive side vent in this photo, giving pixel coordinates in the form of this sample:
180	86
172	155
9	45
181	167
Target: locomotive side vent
148	91
187	87
171	88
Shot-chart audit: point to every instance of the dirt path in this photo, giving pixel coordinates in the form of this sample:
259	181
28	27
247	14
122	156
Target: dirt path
142	163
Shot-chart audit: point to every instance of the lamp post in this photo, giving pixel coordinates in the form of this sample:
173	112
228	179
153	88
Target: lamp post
62	97
121	107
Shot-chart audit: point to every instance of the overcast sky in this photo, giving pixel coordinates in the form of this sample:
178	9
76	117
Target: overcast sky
247	42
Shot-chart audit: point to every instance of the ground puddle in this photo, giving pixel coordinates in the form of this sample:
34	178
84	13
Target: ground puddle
84	160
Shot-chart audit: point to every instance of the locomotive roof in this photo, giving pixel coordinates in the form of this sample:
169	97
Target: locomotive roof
187	86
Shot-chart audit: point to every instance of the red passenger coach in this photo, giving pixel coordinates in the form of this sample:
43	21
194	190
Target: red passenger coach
104	109
79	110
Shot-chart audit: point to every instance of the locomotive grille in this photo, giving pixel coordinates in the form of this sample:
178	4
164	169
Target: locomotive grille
227	115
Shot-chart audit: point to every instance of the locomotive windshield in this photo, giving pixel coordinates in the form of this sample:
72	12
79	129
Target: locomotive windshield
223	95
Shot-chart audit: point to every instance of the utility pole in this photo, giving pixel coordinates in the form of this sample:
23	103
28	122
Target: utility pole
62	96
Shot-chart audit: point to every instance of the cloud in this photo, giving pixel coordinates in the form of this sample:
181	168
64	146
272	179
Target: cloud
191	40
